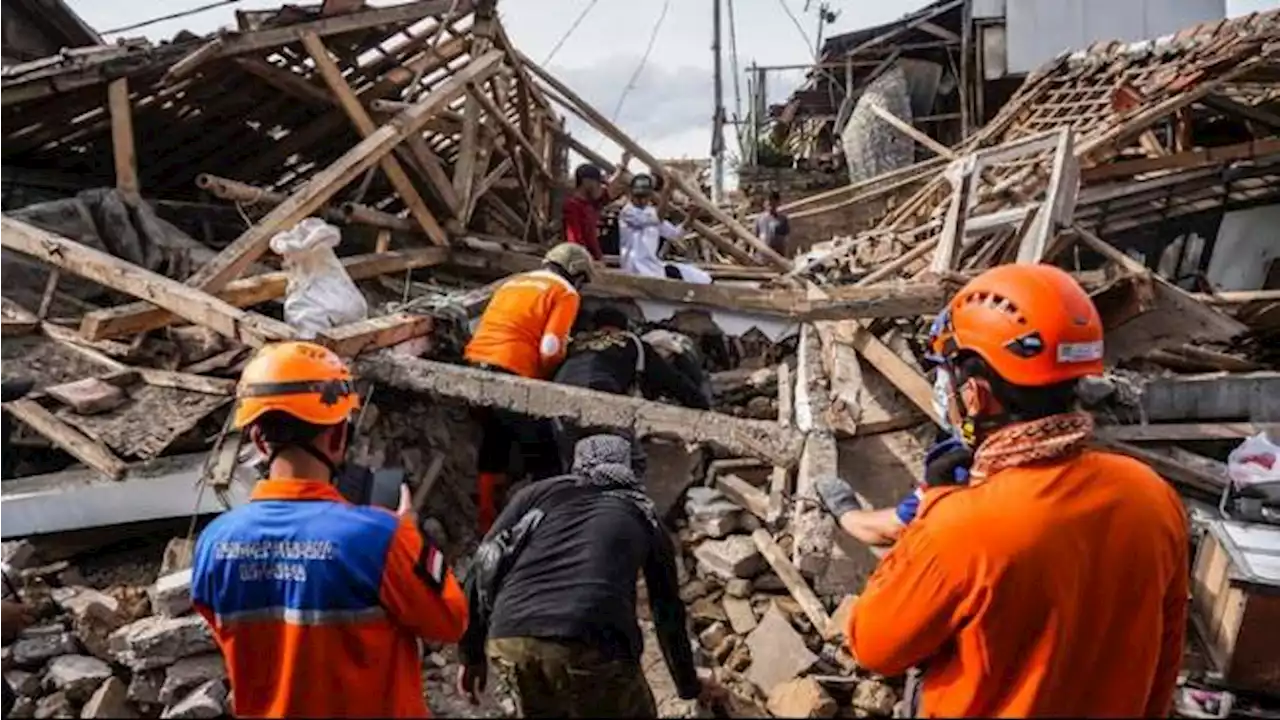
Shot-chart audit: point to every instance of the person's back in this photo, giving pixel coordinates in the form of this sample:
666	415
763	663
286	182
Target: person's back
1064	591
288	645
524	312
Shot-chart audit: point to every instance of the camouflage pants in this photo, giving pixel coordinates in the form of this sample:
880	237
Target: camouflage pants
552	678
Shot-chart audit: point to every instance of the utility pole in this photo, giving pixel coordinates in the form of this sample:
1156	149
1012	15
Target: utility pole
717	119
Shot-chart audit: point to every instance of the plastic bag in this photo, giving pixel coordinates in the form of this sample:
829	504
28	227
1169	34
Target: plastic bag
320	293
1255	461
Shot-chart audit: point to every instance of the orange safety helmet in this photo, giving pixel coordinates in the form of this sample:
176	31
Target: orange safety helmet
302	379
1032	324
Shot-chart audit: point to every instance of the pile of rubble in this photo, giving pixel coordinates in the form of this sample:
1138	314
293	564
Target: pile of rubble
115	652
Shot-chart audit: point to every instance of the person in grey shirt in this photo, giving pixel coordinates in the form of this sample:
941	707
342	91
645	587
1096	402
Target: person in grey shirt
772	226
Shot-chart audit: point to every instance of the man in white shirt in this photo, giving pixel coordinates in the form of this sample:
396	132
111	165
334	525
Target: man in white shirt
641	232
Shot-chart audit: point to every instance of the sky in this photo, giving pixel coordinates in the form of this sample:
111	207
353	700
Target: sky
669	109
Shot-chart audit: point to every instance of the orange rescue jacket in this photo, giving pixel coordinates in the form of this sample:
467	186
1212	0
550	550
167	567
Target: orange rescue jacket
317	604
1057	589
525	328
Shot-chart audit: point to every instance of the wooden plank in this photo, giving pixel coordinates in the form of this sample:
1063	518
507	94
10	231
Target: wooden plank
510	130
779	478
898	371
744	494
233	43
285	81
1265	147
364	124
1059	204
611	131
320	187
80	446
122	149
379	332
643	418
114	273
795	582
428	482
247	292
910	131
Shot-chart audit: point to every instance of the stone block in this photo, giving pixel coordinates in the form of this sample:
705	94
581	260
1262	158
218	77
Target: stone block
144	686
110	700
741	617
76	600
89	396
710	513
801	698
76	675
18	555
93	625
35	645
177	555
57	705
778	652
158	641
23	709
874	697
733	557
171	594
206	701
188	673
705	611
23	683
738	587
713	635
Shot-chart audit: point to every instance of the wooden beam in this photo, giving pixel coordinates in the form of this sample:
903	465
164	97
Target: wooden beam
364	125
898	371
642	418
611	131
348	213
910	131
112	272
509	129
871	301
286	81
744	494
247	292
80	446
253	242
1059	204
1263	117
1182	161
373	333
122	148
236	43
1176	470
794	581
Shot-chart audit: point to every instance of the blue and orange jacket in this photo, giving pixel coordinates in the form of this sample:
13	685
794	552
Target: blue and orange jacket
317	604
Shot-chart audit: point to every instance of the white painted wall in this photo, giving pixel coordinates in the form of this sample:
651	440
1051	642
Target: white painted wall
1248	241
1038	30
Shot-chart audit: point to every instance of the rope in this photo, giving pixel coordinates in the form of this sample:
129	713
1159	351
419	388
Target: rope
569	32
173	16
644	60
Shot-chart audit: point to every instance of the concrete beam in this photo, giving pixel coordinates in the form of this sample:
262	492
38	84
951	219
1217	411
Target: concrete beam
80	499
1254	397
753	438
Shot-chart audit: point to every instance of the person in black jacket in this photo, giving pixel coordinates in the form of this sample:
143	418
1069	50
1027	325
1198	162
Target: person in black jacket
610	358
552	590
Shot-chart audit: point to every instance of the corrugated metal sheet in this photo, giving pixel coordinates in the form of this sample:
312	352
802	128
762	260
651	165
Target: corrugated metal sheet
1038	30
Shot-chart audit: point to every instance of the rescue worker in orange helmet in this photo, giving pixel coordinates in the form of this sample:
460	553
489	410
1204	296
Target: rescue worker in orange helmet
524	331
1055	584
317	604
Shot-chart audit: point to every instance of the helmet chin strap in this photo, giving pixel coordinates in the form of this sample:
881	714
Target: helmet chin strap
313	451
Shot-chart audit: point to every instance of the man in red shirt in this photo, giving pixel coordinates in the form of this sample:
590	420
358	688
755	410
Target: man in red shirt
581	212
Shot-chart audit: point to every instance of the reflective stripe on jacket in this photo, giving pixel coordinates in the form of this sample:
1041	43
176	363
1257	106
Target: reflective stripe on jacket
317	604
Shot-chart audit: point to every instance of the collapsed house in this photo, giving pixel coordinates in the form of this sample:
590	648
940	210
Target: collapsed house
144	184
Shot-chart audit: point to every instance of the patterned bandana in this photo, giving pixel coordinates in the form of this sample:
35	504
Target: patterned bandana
1024	443
604	461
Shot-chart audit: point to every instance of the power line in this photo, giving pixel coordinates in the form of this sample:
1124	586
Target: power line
653	36
174	16
569	32
796	21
